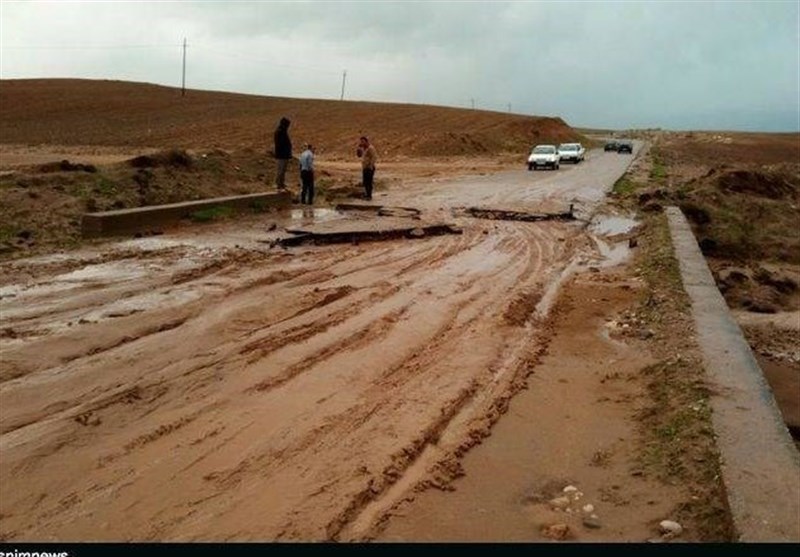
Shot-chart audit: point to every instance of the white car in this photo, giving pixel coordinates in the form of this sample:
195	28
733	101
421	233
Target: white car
571	152
544	155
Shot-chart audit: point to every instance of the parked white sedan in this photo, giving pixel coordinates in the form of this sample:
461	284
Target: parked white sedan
544	156
571	152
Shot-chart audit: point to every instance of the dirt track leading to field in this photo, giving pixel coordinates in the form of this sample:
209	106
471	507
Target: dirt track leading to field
203	385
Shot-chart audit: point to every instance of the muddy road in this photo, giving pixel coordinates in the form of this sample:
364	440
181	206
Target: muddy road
208	385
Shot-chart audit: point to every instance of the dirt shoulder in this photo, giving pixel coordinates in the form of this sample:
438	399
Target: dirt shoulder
612	435
741	194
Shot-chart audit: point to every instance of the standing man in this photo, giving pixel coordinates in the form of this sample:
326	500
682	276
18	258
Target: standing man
369	156
307	175
283	152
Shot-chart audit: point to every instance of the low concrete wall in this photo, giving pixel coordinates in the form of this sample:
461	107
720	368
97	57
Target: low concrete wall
760	464
143	219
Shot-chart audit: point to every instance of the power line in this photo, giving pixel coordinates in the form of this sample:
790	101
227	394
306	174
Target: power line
87	47
227	54
264	62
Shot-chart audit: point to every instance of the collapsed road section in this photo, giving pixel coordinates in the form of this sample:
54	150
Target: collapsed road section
520	216
365	231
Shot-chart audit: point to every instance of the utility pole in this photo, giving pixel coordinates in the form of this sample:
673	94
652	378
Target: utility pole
344	77
472	101
509	108
183	78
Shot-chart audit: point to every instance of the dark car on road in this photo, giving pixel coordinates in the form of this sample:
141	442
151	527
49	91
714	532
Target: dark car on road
625	147
611	146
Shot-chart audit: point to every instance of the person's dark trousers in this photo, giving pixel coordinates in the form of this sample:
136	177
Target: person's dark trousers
280	173
366	177
307	192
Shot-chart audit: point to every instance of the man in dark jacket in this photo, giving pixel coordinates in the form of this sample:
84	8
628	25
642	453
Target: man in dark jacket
283	152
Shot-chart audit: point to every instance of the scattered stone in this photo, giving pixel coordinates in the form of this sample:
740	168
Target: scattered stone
559	503
592	521
670	528
417	233
652	207
556	532
588	509
570	489
272	227
645	334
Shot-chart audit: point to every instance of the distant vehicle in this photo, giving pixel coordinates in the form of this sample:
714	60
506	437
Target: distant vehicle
571	152
544	156
611	146
625	147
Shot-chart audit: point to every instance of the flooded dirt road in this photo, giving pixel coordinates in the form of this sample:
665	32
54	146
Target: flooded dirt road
208	385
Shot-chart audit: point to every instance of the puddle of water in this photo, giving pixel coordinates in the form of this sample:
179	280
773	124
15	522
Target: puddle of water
313	215
111	272
150	244
612	254
612	225
144	302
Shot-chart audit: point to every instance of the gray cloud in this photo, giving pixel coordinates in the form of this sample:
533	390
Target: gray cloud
710	65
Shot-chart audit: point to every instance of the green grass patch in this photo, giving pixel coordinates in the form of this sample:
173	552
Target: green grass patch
659	267
624	187
211	214
659	170
678	443
105	186
7	233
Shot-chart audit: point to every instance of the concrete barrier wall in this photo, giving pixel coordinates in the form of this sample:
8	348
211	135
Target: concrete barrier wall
760	464
143	219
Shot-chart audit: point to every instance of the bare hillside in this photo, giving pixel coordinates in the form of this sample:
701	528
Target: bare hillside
114	113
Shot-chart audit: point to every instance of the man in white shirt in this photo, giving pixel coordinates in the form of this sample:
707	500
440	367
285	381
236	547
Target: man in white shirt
307	175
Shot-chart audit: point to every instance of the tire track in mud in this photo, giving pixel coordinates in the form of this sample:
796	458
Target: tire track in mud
371	332
350	419
326	429
362	300
436	459
393	472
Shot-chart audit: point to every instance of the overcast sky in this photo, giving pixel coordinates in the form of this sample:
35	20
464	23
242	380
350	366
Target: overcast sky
668	64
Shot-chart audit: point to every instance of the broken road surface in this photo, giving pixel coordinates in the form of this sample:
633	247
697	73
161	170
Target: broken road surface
203	385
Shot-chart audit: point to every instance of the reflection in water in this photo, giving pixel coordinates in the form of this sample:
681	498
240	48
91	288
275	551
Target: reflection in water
606	225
